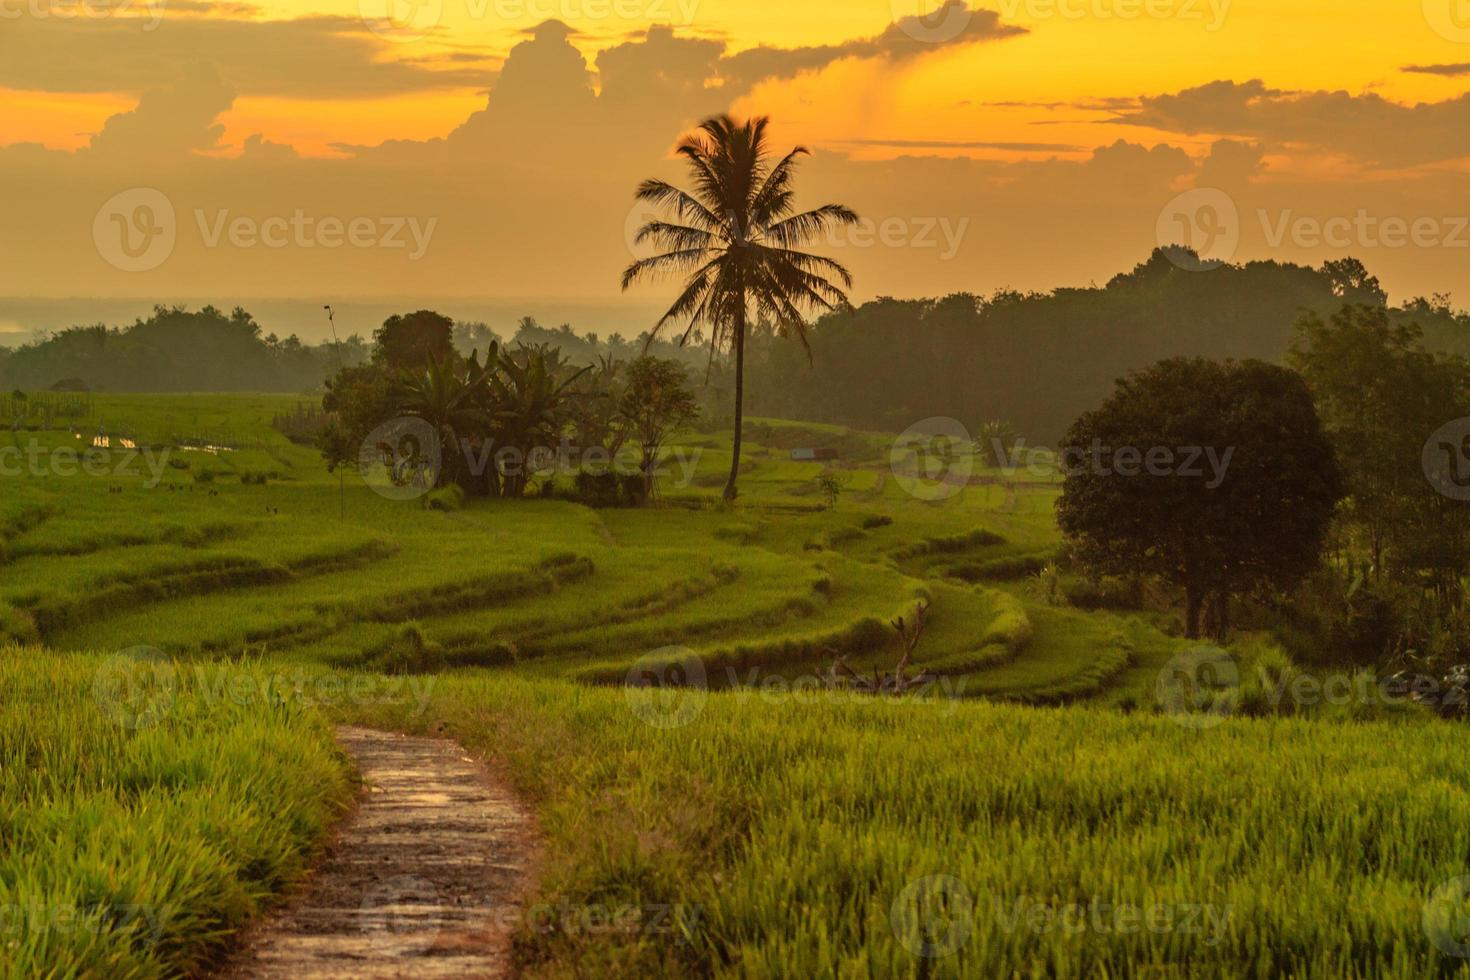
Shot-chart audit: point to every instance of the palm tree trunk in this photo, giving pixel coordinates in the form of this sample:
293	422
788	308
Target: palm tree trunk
730	490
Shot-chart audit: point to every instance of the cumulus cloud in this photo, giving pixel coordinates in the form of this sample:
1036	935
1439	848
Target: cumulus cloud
532	195
322	57
170	121
1231	163
1366	127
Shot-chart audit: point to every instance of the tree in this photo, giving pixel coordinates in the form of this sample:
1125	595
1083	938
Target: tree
1215	476
357	400
1380	395
471	336
656	402
409	342
448	399
529	401
736	240
596	418
1352	282
995	439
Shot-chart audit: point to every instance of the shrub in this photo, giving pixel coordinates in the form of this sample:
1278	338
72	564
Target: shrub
447	498
634	490
1104	593
412	653
1006	569
596	489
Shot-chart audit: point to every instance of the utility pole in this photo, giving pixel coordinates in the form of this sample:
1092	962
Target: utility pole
341	474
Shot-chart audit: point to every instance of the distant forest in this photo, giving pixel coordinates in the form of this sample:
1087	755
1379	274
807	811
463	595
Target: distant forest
1034	360
176	350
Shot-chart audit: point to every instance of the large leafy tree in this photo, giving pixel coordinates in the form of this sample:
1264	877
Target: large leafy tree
736	241
1258	525
410	341
1381	395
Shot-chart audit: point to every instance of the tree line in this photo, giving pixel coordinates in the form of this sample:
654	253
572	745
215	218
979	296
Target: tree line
175	349
1342	518
506	418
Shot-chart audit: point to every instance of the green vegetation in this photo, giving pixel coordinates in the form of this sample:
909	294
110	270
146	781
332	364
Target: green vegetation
779	828
148	809
779	831
175	350
1182	472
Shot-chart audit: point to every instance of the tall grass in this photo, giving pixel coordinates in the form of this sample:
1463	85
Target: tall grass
143	816
791	836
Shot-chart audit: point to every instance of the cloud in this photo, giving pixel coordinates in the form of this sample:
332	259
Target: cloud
171	121
532	195
1368	128
320	57
1448	71
964	145
1231	164
908	37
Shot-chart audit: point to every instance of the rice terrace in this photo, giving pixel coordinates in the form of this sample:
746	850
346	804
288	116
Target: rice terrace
988	508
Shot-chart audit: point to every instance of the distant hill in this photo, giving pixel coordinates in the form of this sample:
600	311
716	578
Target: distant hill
175	350
1039	360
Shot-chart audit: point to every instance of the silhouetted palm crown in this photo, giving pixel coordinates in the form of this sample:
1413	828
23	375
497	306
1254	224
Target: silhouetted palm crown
736	236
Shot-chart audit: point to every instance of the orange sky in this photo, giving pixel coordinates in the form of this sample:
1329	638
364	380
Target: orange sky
1048	138
1075	51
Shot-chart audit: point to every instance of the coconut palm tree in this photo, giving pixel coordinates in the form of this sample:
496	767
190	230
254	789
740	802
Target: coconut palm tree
445	397
734	240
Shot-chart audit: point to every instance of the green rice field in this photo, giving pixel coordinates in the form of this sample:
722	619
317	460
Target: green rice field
182	626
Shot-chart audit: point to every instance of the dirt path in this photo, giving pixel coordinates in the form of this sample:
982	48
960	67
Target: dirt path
423	880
